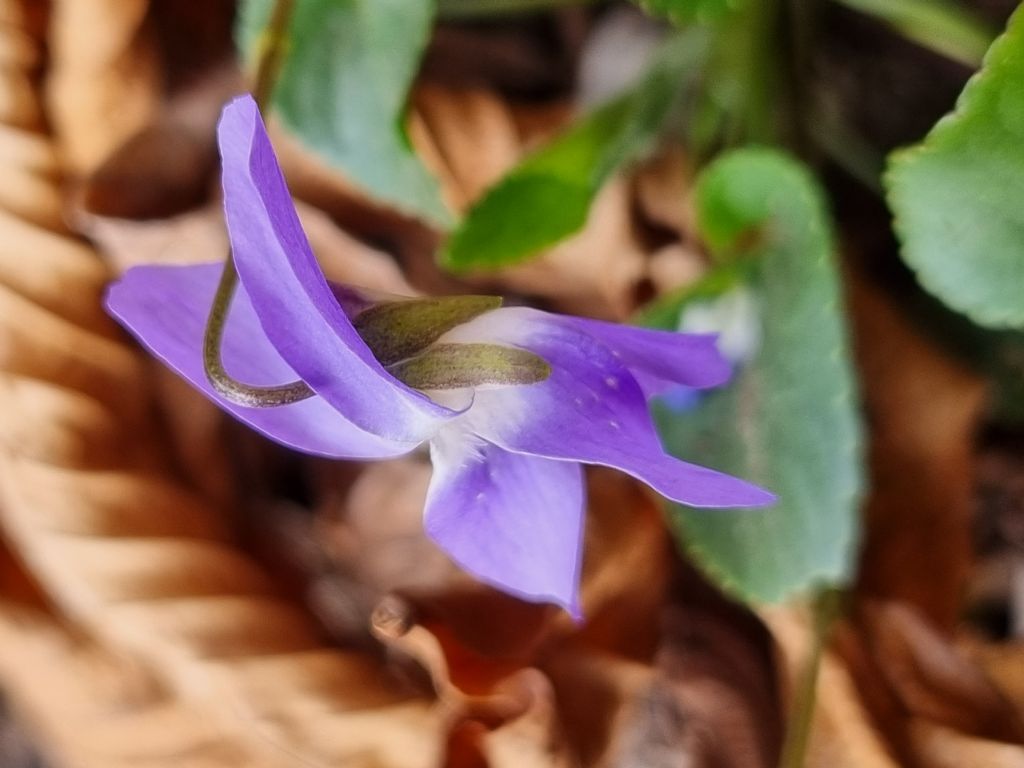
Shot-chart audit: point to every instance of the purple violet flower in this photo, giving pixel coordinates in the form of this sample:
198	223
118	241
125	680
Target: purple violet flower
506	500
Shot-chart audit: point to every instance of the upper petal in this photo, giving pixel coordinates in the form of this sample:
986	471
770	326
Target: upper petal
512	520
293	301
659	359
590	409
166	307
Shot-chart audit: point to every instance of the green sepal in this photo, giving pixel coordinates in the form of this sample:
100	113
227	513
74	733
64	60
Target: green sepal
396	330
454	366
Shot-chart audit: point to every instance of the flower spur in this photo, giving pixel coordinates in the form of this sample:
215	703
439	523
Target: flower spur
511	400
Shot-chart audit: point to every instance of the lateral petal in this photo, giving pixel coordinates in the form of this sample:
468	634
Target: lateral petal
590	409
660	359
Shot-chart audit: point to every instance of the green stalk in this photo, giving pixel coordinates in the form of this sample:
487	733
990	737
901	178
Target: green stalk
939	25
272	50
826	608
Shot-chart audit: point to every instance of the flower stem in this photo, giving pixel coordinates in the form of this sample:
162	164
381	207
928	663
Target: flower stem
826	608
271	53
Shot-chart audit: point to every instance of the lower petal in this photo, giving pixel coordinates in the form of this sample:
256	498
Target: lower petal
166	307
513	521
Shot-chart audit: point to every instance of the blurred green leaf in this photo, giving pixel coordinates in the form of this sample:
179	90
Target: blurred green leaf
788	419
957	195
944	26
685	11
470	9
548	195
342	90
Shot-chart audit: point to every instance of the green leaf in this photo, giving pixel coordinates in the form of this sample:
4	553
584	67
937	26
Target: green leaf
548	195
471	9
957	195
788	419
944	26
342	90
683	12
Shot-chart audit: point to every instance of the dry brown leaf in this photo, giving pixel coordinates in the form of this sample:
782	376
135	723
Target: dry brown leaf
1004	664
915	684
166	167
923	408
313	182
596	272
103	78
705	696
88	502
467	137
534	55
627	566
941	747
470	138
664	192
377	534
842	733
674	266
931	678
90	709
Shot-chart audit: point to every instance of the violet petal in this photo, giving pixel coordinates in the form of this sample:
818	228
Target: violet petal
660	359
294	303
512	520
166	307
590	409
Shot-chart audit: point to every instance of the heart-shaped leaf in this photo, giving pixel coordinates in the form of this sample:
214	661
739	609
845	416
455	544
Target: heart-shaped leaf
788	419
957	195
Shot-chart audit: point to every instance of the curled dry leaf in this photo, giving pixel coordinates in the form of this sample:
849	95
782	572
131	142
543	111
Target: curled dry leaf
377	533
89	708
470	139
1004	664
504	717
167	166
924	409
843	734
922	692
103	79
140	562
945	748
447	123
709	698
598	271
664	192
627	566
930	677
